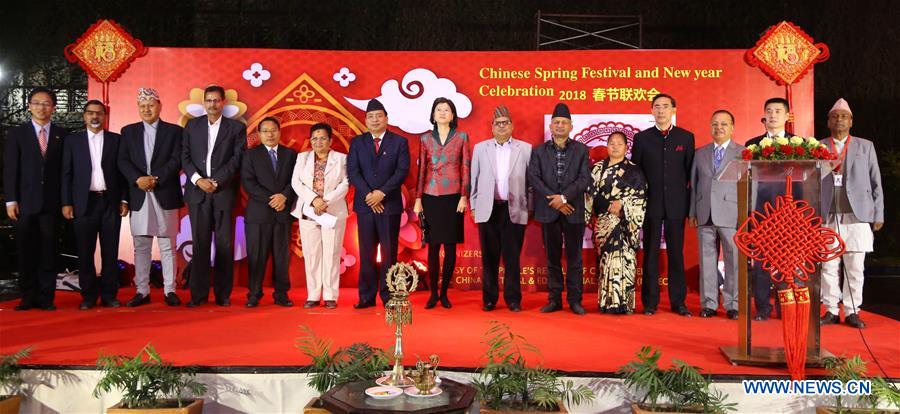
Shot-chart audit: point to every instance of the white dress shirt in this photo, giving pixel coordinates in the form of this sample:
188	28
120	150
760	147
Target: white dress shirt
501	182
95	143
212	133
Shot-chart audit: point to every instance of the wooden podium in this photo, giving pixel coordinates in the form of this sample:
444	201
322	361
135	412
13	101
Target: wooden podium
765	179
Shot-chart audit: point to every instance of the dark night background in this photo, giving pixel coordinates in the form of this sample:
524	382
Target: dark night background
862	35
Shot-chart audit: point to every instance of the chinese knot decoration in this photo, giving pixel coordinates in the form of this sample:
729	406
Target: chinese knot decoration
105	51
789	240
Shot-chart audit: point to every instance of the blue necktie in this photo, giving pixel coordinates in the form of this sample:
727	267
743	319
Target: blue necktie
717	159
274	159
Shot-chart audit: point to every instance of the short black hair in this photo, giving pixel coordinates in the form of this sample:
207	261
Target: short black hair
663	95
321	125
93	102
780	100
214	88
269	119
624	137
724	111
41	89
453	122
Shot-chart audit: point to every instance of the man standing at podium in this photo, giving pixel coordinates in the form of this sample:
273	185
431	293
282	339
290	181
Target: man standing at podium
776	116
714	214
852	205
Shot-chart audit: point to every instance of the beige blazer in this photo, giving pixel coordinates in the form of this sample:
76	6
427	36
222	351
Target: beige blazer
336	183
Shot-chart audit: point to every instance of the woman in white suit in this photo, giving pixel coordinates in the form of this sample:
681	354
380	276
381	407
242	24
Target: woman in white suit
320	181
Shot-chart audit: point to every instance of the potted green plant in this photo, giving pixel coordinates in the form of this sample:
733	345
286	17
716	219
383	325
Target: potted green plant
149	384
11	381
508	384
357	362
854	369
679	389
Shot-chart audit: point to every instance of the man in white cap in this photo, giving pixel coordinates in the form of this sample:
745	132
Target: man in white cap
150	160
853	205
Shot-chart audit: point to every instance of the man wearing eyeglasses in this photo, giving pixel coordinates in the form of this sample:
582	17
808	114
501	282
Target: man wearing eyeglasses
266	175
211	153
499	201
32	158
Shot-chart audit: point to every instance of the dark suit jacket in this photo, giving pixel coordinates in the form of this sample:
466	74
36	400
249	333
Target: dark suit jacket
542	178
76	170
30	179
165	164
226	160
666	163
385	171
261	181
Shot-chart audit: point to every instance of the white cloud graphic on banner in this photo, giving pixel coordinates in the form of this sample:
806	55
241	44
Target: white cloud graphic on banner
408	102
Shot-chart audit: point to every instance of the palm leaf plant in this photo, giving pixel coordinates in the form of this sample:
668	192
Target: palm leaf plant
854	369
507	381
356	362
681	388
10	371
145	380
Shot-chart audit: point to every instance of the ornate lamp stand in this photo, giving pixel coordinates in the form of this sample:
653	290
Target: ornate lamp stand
401	279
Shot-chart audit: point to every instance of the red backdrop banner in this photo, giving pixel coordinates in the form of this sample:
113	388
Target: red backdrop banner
606	91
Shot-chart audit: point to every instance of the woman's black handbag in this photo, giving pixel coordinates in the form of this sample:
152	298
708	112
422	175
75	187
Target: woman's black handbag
423	224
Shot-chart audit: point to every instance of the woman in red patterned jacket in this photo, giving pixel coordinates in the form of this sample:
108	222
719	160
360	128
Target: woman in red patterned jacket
441	193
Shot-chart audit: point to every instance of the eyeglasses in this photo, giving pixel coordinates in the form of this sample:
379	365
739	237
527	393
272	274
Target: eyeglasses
42	104
502	124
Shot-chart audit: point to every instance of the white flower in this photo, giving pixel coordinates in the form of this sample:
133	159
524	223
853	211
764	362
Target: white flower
257	75
752	147
812	141
781	141
344	77
766	142
795	140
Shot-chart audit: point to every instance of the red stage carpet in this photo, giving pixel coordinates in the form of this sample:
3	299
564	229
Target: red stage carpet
264	337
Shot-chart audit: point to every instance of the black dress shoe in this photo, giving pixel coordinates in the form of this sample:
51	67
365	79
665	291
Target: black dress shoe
683	311
761	316
432	302
330	304
138	300
172	299
86	304
445	302
854	321
252	303
287	303
514	307
732	314
363	305
224	302
829	319
707	313
577	308
25	305
488	307
310	304
649	312
551	307
196	303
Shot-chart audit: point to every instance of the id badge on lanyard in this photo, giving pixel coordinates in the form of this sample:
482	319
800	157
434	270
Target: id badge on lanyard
837	173
838	180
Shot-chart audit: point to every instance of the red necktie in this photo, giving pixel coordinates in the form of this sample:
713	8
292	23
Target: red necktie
665	132
377	144
42	141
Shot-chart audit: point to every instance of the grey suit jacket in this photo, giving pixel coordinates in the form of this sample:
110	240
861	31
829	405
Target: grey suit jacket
710	197
484	173
862	180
